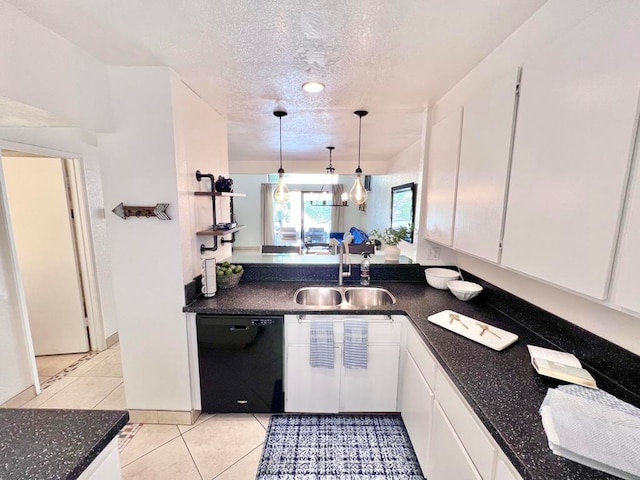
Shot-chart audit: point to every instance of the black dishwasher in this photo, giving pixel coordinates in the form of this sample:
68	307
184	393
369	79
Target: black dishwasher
241	364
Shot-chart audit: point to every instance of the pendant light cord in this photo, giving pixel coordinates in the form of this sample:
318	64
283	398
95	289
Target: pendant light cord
359	140
280	143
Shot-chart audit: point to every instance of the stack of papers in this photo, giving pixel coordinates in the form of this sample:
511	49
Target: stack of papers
593	428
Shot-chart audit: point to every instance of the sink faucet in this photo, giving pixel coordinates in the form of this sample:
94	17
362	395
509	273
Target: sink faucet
344	250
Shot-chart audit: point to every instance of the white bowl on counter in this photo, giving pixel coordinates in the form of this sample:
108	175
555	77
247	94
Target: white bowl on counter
438	277
464	290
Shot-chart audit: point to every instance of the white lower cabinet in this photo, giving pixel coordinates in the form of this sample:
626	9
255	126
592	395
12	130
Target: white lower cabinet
416	405
504	471
447	457
375	388
341	389
313	390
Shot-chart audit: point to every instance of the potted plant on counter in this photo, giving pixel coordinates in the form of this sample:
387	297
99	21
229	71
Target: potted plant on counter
391	237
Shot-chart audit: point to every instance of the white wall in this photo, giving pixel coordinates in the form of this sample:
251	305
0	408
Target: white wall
551	21
41	69
139	168
200	144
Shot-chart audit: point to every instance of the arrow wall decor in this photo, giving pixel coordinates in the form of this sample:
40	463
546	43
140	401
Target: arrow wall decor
160	211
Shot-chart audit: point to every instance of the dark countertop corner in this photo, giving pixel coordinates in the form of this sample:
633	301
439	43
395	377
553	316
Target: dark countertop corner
48	444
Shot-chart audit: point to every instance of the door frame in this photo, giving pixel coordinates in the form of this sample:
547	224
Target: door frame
85	250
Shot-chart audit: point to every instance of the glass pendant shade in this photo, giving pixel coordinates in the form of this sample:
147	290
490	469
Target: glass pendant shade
281	193
358	193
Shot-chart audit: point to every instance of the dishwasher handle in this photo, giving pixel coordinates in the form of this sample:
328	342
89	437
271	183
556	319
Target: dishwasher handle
239	328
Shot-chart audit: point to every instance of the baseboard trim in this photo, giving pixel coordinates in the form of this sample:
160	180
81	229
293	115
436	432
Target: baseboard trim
112	340
165	417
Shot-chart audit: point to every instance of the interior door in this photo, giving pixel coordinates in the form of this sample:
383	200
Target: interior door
42	229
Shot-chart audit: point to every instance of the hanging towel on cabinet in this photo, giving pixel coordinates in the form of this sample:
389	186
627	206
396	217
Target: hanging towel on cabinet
356	333
321	355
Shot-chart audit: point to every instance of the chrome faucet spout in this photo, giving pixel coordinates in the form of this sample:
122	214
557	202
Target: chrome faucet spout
344	250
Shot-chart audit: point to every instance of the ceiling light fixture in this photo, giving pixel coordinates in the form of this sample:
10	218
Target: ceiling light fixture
330	179
281	193
312	87
358	193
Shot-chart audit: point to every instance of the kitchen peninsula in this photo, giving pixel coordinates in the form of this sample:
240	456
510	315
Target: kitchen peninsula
501	388
46	444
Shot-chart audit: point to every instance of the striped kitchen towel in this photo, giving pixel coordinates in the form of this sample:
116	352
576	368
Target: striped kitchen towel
321	355
356	333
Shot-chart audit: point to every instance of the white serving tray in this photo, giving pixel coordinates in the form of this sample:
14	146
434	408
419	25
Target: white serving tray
468	327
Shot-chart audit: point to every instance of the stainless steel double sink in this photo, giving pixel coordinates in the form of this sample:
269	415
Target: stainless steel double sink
343	296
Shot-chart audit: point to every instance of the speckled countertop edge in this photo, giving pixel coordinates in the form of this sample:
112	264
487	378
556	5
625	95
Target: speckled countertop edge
501	387
51	443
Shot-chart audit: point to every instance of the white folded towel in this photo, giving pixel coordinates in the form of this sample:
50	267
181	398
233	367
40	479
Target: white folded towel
594	428
321	355
356	333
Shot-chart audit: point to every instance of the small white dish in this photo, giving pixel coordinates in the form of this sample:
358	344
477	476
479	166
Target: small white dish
438	277
464	290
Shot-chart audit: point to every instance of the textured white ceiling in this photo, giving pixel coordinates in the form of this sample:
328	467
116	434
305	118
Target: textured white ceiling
247	58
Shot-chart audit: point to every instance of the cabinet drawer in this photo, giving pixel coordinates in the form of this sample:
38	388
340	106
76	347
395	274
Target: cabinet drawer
382	330
420	353
475	441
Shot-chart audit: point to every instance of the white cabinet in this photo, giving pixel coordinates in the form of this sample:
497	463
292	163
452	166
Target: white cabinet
372	389
447	457
341	389
311	389
475	442
416	405
626	292
575	127
504	472
485	155
442	176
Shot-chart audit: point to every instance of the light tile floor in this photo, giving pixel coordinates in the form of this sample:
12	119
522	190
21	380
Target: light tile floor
221	447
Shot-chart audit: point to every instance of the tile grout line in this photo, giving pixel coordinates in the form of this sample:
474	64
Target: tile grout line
238	461
191	455
153	450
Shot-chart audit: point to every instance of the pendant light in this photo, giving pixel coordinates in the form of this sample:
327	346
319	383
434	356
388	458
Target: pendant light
330	179
281	193
358	193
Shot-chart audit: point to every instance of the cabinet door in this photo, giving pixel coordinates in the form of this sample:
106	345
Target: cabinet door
447	458
416	406
375	388
503	472
625	292
311	389
485	154
442	178
576	121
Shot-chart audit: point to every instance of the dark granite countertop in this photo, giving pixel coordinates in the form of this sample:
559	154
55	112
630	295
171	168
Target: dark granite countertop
501	387
41	444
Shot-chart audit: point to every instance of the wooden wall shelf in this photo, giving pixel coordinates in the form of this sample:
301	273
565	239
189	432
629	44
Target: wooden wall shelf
220	194
213	232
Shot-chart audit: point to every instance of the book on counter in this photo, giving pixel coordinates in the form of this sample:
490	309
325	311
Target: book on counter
560	365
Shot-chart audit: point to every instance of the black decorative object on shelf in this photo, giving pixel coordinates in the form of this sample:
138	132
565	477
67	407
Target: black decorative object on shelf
159	211
224	184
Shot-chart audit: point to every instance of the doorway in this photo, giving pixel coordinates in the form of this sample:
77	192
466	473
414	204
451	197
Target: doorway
42	223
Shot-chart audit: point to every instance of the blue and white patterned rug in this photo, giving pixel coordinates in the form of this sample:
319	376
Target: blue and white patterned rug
338	447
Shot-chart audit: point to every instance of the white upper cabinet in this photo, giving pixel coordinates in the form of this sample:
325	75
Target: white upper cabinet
572	149
627	293
484	169
442	178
